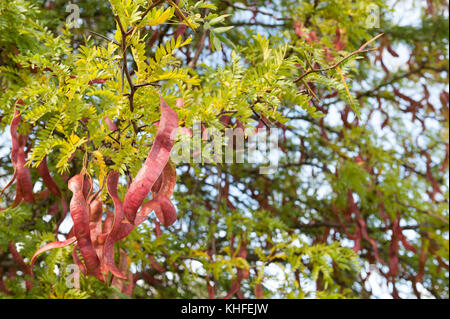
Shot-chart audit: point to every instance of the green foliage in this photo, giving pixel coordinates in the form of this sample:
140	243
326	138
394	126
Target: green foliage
279	68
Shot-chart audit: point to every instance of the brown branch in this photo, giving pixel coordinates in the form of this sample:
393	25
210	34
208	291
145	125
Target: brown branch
199	49
255	10
146	84
398	78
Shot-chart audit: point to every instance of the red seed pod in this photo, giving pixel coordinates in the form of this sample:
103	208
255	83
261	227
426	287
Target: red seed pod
80	217
423	256
180	30
108	250
52	245
154	264
77	260
258	290
158	231
166	212
95	225
407	244
107	224
126	285
110	123
87	188
97	81
338	44
13	130
2	284
161	204
154	164
148	207
169	180
24	188
44	173
362	228
394	247
54	209
157	186
19	260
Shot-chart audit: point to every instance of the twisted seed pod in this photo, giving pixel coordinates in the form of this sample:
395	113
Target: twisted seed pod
44	173
154	164
23	175
79	214
108	249
19	260
161	204
52	245
24	187
95	225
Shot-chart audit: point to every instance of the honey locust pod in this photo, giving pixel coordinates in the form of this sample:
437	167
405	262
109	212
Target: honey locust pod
113	235
154	164
79	214
24	186
161	204
52	245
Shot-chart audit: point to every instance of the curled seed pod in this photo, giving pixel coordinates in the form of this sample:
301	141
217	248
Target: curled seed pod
52	245
77	259
110	123
97	81
161	204
158	231
44	173
24	188
107	224
19	260
154	164
154	264
23	176
2	284
146	209
14	144
169	180
166	212
124	285
108	249
362	228
79	213
95	225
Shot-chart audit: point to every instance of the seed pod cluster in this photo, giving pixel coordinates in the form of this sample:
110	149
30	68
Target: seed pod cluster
95	238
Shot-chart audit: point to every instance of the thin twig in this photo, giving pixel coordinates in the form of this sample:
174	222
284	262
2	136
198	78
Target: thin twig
334	65
231	4
104	37
124	52
198	51
260	117
227	112
146	84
